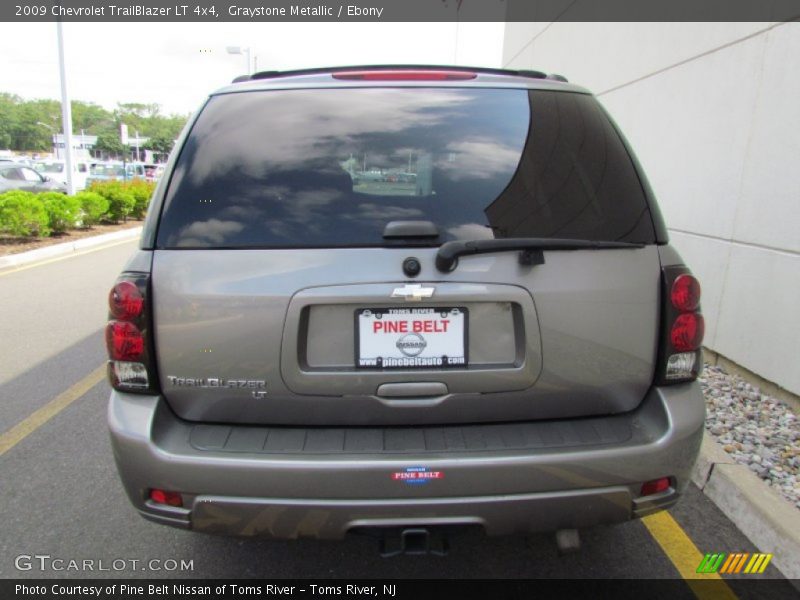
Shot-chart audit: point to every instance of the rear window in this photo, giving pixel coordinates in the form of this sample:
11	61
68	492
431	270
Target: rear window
331	167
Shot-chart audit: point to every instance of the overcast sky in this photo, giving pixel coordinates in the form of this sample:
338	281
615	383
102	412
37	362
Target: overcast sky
177	64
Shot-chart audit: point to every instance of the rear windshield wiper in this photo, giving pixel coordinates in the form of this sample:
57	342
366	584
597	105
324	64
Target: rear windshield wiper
531	249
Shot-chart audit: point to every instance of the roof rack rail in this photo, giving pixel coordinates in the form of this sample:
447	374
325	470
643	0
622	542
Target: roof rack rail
557	77
324	70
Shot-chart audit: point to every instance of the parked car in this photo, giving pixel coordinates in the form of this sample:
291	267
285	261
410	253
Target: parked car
115	171
153	171
56	169
17	176
501	338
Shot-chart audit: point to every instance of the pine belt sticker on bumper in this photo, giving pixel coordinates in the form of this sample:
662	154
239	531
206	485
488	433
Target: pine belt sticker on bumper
417	475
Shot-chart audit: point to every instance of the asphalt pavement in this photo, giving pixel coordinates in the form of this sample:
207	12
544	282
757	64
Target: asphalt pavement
61	496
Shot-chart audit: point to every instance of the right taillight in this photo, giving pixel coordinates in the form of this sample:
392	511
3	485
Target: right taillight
683	327
130	349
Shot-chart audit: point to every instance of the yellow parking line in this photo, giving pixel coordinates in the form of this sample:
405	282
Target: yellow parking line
23	429
65	256
686	557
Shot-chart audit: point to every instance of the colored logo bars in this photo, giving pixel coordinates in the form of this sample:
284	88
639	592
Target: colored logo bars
718	563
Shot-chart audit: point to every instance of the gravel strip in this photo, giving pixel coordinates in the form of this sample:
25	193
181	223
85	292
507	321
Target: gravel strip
755	429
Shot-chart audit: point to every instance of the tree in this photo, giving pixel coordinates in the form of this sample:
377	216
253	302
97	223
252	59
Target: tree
91	117
29	125
8	118
160	143
110	144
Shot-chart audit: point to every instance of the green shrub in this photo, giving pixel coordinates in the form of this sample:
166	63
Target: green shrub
142	191
93	207
121	204
22	214
121	201
63	211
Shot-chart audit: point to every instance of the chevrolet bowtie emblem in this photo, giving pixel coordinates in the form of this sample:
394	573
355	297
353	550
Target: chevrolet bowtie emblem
413	292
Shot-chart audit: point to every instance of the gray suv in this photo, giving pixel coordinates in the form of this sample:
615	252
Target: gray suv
402	300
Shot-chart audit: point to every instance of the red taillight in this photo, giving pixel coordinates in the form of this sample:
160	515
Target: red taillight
130	348
682	327
687	332
164	497
685	293
125	301
124	341
656	486
405	75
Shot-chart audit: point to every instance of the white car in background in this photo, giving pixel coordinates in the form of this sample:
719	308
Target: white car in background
56	169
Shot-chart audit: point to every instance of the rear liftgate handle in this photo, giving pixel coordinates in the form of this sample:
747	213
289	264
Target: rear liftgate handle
416	389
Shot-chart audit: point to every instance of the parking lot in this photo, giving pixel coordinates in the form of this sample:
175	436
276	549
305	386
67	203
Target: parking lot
62	498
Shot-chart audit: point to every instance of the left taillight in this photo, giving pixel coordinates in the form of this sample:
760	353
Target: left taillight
682	327
128	339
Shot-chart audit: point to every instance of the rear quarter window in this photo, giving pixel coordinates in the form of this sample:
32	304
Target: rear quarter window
331	167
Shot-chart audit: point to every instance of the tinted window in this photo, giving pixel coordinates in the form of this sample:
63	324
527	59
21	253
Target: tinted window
13	174
332	167
576	179
50	167
30	175
102	170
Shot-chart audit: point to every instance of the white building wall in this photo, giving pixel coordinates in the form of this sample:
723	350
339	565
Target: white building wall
713	113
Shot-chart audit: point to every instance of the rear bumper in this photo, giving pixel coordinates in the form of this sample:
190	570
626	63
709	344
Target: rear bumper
288	482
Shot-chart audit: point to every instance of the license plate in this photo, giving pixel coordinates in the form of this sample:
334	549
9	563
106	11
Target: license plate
403	338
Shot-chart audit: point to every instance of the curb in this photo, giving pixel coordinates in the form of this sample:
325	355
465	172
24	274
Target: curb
765	517
23	258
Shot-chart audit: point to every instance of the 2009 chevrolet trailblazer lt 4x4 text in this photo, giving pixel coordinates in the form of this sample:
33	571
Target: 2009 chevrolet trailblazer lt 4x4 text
401	300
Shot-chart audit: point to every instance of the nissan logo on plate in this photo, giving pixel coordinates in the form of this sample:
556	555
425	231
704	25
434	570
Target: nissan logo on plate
411	344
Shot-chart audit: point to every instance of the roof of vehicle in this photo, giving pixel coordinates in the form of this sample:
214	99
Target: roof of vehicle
327	78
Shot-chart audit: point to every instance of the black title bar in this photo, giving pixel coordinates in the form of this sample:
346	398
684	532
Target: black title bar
252	589
373	11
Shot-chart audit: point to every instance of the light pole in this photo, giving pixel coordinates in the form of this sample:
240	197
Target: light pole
66	111
240	50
